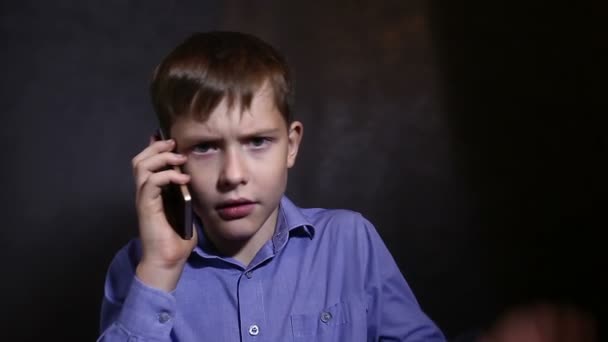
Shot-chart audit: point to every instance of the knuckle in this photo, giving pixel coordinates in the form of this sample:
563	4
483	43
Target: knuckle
140	182
152	179
140	175
145	183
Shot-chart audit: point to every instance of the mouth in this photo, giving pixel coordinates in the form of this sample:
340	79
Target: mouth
235	209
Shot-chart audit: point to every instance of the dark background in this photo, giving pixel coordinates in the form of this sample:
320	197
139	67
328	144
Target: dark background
471	133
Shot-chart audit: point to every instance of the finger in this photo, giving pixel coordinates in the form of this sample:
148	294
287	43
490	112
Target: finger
151	188
156	163
154	148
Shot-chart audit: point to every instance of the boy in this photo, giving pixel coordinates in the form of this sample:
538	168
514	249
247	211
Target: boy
258	267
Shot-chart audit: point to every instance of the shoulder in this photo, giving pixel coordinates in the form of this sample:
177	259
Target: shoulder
340	224
350	239
323	218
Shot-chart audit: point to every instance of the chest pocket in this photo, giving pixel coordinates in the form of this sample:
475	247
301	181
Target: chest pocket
344	321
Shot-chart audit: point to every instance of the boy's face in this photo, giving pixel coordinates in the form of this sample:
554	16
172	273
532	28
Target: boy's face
238	162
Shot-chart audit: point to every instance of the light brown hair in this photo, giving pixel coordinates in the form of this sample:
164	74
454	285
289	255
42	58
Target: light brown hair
208	67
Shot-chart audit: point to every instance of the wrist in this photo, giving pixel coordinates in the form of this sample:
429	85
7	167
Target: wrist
162	277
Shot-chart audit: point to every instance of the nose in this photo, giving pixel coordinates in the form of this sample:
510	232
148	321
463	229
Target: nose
234	170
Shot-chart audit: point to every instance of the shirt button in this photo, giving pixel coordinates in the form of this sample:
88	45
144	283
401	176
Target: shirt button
325	317
254	330
249	274
164	317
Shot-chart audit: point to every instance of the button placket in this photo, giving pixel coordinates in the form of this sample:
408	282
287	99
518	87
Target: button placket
251	304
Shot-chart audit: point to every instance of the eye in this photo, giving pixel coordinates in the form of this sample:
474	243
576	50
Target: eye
259	142
204	148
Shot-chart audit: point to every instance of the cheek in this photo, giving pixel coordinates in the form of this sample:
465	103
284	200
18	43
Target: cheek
199	183
278	156
201	178
272	162
271	174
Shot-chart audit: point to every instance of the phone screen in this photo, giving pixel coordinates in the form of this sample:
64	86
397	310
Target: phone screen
177	203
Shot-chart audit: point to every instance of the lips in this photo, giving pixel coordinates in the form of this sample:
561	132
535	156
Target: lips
235	209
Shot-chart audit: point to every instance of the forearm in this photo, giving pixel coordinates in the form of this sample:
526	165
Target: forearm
147	314
116	333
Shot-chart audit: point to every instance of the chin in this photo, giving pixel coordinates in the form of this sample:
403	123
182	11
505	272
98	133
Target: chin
237	230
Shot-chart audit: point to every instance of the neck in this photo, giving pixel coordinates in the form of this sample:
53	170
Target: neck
245	250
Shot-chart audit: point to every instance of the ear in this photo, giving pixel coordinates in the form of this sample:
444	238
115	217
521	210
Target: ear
296	131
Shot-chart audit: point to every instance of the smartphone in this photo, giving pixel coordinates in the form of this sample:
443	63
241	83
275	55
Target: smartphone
177	202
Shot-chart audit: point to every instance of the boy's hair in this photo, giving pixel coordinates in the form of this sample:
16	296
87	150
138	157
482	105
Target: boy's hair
208	67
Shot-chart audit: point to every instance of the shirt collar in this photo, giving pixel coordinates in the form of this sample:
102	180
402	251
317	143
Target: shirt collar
290	219
293	218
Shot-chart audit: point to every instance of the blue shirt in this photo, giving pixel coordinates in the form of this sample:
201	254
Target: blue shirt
325	275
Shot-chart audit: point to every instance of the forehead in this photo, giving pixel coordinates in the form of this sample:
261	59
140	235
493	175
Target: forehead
233	120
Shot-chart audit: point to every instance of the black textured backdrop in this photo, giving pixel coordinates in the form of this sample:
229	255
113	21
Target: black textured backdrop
471	134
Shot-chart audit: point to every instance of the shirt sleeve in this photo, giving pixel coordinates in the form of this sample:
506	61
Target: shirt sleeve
393	311
131	310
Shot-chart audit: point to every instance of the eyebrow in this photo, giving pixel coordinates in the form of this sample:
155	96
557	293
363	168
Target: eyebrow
269	131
